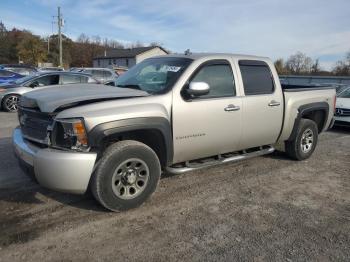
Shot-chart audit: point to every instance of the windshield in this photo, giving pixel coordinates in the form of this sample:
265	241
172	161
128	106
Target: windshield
345	93
24	79
154	75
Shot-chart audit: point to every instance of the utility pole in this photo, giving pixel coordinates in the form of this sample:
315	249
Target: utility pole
60	24
48	45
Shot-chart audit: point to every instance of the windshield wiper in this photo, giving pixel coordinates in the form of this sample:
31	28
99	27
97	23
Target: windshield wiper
137	87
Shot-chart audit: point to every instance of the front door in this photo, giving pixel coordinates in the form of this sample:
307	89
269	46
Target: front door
210	124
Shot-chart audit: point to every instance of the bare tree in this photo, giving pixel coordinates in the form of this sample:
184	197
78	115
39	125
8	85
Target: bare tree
155	44
84	39
281	67
299	63
342	68
137	44
315	68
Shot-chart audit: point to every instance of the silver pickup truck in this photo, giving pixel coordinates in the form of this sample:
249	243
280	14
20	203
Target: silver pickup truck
173	113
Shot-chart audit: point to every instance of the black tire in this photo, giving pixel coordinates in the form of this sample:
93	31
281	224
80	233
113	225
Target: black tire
105	190
10	103
298	148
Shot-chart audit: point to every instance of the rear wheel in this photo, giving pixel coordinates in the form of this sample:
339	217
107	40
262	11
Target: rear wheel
305	141
128	173
10	103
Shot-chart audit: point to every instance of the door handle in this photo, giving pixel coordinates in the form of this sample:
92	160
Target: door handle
231	108
274	103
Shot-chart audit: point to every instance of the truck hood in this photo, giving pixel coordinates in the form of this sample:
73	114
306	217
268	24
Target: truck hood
64	96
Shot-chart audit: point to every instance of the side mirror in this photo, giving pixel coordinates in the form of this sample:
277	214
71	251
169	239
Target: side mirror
198	89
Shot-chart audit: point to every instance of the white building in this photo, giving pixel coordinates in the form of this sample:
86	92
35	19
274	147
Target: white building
126	57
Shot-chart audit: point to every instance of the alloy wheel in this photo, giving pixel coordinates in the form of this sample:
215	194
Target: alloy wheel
11	103
130	178
307	139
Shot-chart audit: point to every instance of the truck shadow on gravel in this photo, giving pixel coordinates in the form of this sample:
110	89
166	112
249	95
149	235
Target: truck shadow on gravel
341	130
19	208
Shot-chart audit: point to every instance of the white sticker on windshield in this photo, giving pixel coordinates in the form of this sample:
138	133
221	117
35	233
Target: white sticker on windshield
172	68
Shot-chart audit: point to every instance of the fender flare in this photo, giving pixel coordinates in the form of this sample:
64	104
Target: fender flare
161	124
307	108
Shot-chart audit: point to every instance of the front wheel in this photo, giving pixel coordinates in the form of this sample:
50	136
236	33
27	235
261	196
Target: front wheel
128	173
304	144
10	103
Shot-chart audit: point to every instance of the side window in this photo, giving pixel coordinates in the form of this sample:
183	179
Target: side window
257	78
70	79
107	75
44	81
220	79
98	74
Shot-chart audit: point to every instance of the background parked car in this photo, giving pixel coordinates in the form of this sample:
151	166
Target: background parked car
50	69
339	88
10	92
101	74
342	110
19	69
8	76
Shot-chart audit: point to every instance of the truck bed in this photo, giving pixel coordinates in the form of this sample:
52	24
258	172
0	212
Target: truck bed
296	96
298	88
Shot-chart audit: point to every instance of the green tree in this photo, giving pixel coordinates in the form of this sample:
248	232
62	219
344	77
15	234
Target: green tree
31	49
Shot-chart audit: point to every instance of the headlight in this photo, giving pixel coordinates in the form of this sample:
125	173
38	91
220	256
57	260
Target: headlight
70	134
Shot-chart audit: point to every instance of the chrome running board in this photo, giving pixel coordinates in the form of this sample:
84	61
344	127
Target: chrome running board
220	159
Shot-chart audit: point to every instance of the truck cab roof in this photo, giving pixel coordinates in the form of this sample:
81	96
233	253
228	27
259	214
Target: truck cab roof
200	56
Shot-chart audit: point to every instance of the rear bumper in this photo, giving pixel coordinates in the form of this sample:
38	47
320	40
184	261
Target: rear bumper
55	169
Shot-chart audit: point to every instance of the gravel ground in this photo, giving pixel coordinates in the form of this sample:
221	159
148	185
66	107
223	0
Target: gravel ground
264	209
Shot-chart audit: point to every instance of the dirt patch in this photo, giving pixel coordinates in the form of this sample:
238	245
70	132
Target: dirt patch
264	209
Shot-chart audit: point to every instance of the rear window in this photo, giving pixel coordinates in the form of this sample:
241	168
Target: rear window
257	78
107	74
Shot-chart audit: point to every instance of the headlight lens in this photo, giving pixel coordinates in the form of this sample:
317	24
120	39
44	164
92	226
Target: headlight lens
70	134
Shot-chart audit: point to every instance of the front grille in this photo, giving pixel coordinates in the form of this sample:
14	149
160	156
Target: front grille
342	112
34	124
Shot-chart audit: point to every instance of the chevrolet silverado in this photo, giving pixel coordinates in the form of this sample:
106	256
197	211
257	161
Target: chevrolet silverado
173	113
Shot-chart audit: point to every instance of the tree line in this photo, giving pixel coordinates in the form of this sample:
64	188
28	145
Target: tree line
301	64
21	45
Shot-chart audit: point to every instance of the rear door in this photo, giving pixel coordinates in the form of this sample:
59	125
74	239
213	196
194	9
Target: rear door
210	124
262	104
69	79
99	75
107	75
